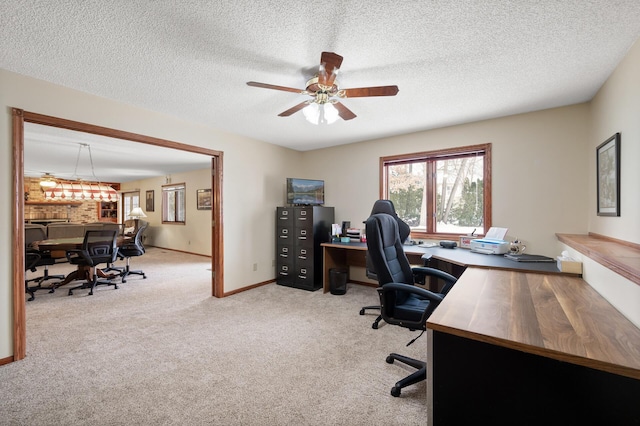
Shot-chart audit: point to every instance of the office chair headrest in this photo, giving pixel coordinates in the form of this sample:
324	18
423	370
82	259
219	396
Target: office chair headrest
383	206
386	206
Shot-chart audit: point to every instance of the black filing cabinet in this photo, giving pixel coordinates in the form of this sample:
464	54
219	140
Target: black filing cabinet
299	232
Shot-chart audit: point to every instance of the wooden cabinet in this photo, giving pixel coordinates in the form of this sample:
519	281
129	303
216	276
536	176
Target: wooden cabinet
108	211
299	232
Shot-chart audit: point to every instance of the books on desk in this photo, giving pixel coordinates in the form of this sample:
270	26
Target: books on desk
529	258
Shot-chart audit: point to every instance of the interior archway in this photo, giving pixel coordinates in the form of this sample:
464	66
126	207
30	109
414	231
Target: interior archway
19	118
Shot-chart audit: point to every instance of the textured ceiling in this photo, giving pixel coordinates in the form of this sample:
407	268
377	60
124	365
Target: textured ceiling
454	62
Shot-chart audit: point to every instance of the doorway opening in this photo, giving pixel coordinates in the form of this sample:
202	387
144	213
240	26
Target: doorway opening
19	118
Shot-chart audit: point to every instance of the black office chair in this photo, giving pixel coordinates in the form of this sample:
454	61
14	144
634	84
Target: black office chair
402	302
98	247
383	206
31	259
32	234
133	248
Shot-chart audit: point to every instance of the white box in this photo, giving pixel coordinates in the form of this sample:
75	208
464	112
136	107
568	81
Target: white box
569	266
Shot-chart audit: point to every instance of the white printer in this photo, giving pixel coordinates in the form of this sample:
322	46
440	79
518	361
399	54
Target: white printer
492	243
489	246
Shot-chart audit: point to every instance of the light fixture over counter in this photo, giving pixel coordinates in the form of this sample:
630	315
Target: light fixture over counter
81	191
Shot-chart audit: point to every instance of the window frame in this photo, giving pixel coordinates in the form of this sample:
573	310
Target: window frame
132	196
165	190
441	154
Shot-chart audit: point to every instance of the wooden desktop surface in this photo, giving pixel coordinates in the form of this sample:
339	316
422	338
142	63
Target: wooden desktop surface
554	316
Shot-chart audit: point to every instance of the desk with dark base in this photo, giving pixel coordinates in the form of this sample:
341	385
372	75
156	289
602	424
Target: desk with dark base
521	343
343	255
530	349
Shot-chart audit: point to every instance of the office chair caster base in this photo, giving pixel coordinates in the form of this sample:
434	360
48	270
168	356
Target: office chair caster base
374	325
389	359
395	392
362	311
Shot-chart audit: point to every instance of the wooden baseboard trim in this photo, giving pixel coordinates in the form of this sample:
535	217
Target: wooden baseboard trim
180	251
7	360
250	287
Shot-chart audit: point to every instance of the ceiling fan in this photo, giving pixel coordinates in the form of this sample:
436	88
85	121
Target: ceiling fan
323	88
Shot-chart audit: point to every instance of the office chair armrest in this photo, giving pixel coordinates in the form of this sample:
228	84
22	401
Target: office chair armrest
76	253
423	270
418	291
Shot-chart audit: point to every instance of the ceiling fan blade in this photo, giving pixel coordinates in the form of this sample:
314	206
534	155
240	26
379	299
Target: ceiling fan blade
369	91
274	87
344	112
330	64
293	109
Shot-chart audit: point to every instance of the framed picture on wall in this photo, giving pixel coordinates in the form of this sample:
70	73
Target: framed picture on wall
150	201
608	174
203	197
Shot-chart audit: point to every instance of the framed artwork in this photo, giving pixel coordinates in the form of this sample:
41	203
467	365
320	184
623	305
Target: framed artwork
150	201
608	174
203	196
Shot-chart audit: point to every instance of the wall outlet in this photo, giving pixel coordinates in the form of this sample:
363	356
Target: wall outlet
255	267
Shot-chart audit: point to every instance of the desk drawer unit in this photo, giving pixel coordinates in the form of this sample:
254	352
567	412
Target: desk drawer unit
299	232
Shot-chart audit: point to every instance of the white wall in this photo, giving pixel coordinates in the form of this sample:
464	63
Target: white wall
253	175
194	236
539	170
616	108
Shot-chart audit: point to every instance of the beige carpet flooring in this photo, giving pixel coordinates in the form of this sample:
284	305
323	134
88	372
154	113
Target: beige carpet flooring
162	351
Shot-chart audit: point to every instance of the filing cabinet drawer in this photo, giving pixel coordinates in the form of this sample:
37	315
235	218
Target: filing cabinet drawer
286	274
285	236
284	217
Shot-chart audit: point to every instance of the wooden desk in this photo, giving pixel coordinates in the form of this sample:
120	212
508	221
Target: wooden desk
343	255
523	348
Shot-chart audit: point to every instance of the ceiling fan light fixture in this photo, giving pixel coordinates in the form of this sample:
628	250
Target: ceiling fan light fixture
324	113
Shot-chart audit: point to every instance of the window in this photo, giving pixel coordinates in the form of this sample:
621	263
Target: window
441	193
130	200
173	203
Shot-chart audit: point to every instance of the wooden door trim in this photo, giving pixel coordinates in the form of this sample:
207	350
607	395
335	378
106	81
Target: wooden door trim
19	118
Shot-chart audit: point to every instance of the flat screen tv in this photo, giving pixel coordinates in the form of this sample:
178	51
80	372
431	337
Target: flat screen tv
306	192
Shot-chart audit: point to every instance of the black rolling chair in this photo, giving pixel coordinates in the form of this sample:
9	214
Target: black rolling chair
31	259
32	234
402	303
133	248
383	206
98	247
